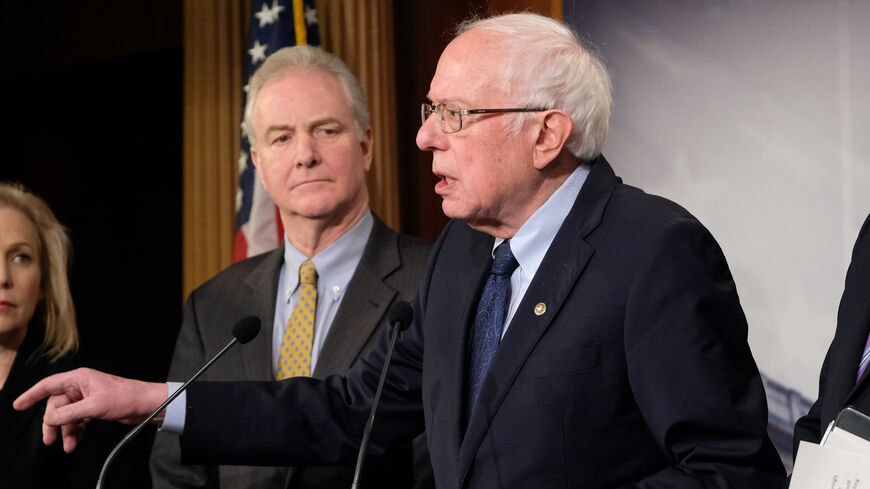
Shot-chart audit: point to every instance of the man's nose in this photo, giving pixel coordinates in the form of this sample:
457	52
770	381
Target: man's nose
429	135
306	151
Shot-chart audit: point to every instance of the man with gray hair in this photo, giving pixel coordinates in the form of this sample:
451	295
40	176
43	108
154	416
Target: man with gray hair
308	124
570	331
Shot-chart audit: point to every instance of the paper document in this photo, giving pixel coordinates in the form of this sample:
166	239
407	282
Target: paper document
823	467
842	439
842	461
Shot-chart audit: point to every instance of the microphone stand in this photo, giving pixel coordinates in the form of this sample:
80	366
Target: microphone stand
368	429
171	398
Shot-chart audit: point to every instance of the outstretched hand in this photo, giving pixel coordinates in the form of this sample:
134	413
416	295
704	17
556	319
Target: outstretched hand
78	396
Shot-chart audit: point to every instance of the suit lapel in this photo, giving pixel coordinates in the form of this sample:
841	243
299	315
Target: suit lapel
474	263
559	271
853	326
859	304
362	308
364	303
862	381
264	277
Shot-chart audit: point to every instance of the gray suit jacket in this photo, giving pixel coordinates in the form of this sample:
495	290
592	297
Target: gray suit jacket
390	269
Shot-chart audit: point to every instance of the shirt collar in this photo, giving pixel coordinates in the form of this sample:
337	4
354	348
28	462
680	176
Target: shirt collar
533	238
335	264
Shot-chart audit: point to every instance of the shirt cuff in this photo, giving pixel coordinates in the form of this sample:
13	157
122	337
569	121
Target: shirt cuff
174	420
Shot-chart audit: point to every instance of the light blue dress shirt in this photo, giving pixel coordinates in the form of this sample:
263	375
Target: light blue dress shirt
534	237
335	267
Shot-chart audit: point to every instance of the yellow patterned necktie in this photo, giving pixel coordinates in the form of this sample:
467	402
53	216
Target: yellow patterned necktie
295	357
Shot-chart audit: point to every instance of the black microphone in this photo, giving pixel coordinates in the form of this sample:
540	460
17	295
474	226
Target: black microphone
244	331
400	316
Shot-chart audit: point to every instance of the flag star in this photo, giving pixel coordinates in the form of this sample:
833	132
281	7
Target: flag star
276	9
310	15
239	196
258	51
265	16
243	162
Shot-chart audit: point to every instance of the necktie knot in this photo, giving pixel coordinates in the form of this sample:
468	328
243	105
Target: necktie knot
307	273
503	262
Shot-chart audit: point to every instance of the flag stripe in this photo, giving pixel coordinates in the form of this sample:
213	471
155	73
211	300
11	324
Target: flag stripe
299	20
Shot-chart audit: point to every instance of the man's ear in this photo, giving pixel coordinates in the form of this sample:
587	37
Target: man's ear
552	132
365	144
255	158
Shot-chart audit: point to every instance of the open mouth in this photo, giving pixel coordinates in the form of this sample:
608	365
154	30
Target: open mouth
444	182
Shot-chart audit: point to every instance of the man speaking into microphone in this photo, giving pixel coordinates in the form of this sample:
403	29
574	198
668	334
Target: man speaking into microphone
570	331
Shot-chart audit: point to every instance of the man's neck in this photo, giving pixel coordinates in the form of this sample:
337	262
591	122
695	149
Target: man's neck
556	175
311	236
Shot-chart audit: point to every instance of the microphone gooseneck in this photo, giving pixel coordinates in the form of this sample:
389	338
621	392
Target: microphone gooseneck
399	316
243	331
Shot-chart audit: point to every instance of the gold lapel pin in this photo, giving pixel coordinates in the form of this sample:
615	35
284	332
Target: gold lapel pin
540	308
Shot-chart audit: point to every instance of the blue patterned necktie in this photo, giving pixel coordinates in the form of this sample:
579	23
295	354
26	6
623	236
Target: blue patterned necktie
865	359
489	321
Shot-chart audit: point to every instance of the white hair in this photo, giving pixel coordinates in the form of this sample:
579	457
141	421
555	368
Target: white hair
549	66
303	57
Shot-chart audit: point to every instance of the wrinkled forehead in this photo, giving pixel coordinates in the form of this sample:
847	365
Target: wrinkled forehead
473	69
302	94
303	83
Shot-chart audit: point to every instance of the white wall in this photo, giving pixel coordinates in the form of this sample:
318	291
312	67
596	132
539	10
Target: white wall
754	115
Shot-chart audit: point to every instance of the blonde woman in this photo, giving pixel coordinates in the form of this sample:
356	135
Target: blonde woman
38	334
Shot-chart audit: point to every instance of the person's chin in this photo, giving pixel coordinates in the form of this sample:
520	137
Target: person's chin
453	209
318	210
11	327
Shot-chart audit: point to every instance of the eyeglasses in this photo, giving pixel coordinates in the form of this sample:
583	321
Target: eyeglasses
450	116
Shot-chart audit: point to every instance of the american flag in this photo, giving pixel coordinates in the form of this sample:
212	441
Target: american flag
281	24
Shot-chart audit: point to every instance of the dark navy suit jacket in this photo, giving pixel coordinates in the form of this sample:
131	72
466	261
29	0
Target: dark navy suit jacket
637	374
838	383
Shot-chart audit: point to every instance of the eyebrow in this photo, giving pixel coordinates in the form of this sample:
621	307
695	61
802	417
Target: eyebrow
314	123
326	120
23	244
449	101
280	128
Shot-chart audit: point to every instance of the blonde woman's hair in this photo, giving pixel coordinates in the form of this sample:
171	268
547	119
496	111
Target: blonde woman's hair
55	314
